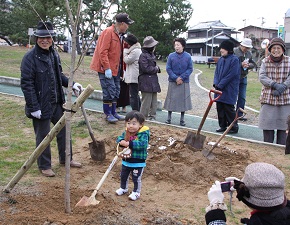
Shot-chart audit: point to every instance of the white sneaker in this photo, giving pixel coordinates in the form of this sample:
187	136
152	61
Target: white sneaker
121	191
134	196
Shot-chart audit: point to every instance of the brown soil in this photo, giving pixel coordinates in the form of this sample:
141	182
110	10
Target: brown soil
174	184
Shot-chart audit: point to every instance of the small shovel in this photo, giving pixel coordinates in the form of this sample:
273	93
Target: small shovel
86	201
97	148
208	154
197	140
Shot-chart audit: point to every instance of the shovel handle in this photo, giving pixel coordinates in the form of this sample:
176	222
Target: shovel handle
228	129
87	121
106	173
219	93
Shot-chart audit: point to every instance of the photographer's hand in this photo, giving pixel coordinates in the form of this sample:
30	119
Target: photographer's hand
215	194
216	198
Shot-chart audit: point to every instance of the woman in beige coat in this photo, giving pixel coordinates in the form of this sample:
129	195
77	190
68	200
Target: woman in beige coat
132	51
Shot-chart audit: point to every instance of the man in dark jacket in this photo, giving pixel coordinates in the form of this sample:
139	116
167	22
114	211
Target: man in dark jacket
41	82
246	62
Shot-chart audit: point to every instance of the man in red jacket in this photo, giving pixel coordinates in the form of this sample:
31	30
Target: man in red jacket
107	62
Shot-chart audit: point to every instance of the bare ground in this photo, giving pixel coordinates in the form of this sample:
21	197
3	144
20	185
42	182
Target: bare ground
174	184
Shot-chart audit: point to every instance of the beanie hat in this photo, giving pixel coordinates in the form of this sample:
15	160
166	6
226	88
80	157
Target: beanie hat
131	39
44	29
265	184
227	45
277	41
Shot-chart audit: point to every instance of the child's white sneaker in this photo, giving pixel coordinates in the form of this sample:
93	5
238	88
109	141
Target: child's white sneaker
121	191
134	196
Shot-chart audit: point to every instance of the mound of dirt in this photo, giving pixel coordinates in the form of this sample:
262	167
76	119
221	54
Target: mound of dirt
174	184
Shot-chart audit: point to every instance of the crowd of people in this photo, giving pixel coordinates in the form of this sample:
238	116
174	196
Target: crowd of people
125	69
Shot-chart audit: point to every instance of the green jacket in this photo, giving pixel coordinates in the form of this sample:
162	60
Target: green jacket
138	145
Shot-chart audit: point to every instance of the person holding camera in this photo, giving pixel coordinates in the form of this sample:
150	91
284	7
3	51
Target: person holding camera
262	189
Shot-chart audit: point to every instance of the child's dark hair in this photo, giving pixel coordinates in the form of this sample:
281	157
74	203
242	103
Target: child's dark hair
135	114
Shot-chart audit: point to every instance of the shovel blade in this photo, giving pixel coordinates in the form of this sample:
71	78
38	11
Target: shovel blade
209	155
97	150
194	140
86	201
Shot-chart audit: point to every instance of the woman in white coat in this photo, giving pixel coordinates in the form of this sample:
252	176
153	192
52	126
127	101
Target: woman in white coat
132	51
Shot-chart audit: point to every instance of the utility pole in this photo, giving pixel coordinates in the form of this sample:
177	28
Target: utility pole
244	20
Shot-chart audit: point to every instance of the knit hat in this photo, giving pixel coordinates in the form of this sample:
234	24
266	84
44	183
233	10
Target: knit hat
265	184
247	42
277	41
44	29
149	42
131	39
227	45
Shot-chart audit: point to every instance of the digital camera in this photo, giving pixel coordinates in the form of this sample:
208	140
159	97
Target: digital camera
226	186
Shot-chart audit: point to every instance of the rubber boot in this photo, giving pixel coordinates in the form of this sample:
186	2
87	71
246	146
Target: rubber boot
115	114
107	107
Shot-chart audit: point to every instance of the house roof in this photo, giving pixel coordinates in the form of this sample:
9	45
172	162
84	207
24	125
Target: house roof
287	14
217	24
264	28
220	35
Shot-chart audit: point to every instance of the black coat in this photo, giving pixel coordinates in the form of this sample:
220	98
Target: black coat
148	79
42	80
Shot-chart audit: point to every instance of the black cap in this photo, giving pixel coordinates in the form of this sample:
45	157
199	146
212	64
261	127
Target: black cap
44	29
131	39
124	17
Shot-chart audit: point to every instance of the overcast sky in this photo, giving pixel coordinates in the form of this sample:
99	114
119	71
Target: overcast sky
237	14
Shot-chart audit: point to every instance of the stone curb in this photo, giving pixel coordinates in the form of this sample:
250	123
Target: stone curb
97	95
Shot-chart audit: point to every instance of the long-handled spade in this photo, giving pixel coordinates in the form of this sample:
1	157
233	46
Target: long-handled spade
197	140
86	201
208	154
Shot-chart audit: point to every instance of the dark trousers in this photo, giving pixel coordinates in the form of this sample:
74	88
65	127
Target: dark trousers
226	115
242	95
41	129
135	101
136	177
280	137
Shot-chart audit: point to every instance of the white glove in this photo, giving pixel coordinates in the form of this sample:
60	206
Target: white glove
78	87
215	194
108	73
36	114
232	180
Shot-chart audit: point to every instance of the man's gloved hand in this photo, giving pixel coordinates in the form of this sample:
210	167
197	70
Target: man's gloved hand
279	87
77	87
215	194
36	114
108	73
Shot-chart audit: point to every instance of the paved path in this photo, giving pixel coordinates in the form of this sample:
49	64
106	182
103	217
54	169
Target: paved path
246	132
